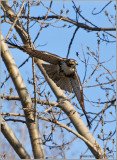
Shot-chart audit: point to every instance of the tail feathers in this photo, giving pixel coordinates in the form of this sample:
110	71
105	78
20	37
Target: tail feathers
89	123
82	105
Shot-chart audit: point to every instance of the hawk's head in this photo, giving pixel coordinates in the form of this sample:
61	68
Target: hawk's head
71	63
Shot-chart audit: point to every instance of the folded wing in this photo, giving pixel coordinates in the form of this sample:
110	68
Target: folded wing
78	90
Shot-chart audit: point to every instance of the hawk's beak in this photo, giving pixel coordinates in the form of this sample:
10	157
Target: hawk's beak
76	63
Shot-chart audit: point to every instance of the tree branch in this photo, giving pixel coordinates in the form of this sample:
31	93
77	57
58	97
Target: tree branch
12	139
45	102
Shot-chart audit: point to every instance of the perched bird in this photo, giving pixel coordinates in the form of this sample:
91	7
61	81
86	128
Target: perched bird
61	70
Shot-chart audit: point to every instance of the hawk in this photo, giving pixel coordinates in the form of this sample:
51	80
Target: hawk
61	70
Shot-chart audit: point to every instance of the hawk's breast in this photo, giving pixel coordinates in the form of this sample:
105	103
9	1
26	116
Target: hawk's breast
68	71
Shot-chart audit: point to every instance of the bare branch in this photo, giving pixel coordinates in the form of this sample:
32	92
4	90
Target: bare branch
71	41
101	9
10	97
80	25
12	139
15	21
35	136
24	96
43	22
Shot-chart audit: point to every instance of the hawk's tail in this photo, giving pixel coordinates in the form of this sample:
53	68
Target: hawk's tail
89	123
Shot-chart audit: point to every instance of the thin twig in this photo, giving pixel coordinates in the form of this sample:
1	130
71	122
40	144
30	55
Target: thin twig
108	72
18	68
45	102
43	22
111	81
101	9
91	75
15	21
85	65
71	41
35	91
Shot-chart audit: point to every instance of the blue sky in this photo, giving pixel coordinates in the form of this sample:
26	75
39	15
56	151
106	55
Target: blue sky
56	41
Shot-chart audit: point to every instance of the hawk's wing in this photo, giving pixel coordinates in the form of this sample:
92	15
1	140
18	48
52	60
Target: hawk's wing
45	56
78	90
59	78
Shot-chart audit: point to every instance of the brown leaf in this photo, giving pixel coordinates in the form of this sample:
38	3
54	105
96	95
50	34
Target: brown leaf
93	53
88	47
11	90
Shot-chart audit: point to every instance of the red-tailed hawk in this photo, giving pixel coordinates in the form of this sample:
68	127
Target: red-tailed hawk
61	70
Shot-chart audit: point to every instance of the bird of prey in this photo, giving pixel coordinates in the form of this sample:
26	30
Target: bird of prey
61	70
